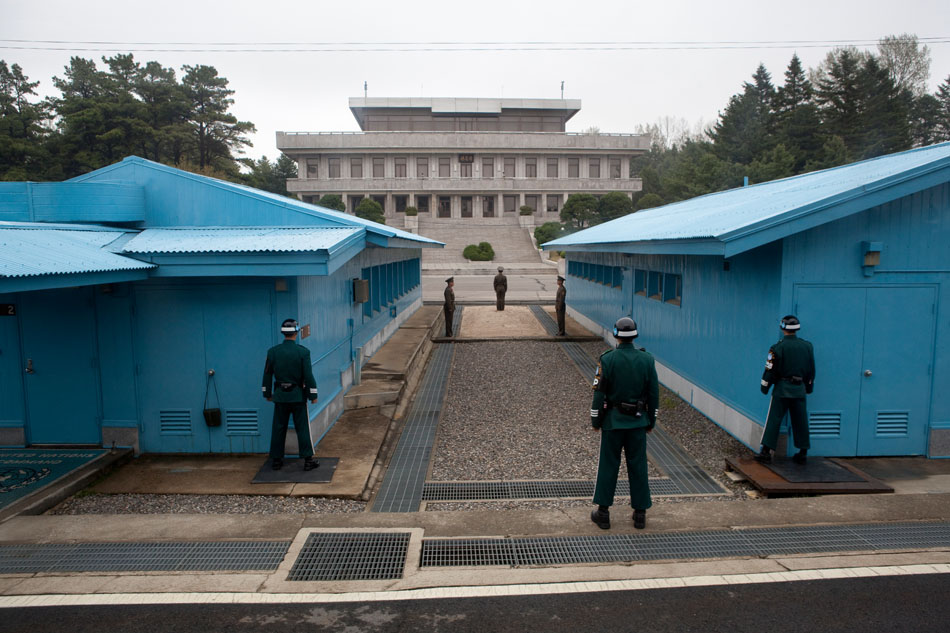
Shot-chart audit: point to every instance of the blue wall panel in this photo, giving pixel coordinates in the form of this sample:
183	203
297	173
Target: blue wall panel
12	412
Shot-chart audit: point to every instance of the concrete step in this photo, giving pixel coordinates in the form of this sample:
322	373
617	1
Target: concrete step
373	393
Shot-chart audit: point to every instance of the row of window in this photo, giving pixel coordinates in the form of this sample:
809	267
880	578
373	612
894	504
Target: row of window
389	282
666	287
443	204
419	167
607	275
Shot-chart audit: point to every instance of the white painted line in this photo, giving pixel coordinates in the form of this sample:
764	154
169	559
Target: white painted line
9	602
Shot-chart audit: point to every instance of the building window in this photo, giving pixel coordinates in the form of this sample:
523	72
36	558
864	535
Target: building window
333	165
511	204
509	170
552	168
445	207
445	166
488	206
401	203
355	202
465	170
399	164
466	205
594	168
422	204
615	168
356	168
488	167
532	201
673	289
655	285
640	282
422	168
379	167
531	168
381	201
313	168
554	203
573	167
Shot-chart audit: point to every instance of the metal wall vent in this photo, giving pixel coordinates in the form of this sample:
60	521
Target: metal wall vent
893	423
241	422
351	556
825	425
175	421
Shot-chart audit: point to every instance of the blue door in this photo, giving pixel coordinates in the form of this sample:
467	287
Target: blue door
873	351
182	333
61	374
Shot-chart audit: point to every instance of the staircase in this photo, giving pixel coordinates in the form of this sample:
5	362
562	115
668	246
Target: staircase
512	244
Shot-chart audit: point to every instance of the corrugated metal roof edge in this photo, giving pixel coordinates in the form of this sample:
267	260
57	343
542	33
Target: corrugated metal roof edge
63	227
357	234
282	201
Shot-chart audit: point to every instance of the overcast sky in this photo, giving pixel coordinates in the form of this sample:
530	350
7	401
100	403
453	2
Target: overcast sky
307	90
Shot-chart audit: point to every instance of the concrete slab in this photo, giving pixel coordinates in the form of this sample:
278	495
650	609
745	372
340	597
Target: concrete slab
835	561
424	318
487	322
572	327
183	583
373	393
79	584
393	360
907	475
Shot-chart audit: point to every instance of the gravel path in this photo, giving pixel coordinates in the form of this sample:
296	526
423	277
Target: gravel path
203	504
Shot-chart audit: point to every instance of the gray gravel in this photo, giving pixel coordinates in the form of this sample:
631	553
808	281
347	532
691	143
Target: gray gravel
203	504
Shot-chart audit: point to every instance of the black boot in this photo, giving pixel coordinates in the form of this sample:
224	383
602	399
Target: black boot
800	457
309	463
639	519
277	464
764	456
601	516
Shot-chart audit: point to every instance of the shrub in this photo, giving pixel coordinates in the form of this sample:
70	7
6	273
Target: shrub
648	201
332	201
369	209
412	211
525	210
547	232
481	253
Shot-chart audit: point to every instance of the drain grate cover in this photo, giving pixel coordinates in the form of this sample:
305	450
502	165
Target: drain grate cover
504	490
75	557
545	319
351	556
682	545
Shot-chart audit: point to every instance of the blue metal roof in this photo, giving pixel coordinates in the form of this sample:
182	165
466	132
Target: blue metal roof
240	240
32	250
732	221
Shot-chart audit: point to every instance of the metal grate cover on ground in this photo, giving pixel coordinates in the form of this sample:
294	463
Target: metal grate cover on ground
108	557
401	490
351	556
682	545
504	490
544	319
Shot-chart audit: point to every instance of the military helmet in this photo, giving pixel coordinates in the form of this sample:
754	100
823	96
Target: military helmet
625	328
289	326
790	323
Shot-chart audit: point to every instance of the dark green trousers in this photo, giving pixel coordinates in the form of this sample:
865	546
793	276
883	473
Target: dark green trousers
633	443
797	414
282	413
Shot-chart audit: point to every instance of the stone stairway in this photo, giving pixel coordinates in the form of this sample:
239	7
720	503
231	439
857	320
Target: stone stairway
512	244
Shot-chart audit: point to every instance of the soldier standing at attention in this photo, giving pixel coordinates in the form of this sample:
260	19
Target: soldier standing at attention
626	397
288	376
449	306
790	366
501	287
560	305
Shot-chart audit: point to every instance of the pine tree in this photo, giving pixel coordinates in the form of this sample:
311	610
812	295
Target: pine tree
23	155
796	116
744	130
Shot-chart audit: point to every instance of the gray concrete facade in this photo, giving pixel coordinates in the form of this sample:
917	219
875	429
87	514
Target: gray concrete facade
461	159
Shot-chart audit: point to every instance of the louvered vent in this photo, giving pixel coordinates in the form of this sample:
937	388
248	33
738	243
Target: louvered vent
892	423
825	425
242	422
175	421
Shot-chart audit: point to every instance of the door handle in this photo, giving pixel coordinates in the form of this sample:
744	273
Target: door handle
29	366
867	372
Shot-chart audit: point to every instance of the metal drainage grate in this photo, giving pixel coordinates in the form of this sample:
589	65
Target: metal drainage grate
351	556
401	490
76	557
492	490
545	320
682	545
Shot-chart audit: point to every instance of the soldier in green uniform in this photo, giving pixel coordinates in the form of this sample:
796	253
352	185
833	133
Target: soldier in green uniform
626	397
288	383
448	307
560	306
501	287
790	366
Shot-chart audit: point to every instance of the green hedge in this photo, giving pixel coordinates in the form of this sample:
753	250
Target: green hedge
481	253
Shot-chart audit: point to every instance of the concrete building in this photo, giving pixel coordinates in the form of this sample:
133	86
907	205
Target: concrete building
461	159
122	289
859	253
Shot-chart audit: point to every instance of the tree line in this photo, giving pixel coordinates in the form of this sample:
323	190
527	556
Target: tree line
127	108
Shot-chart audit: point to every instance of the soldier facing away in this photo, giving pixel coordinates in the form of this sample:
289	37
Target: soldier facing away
289	383
448	306
560	306
626	397
790	367
501	287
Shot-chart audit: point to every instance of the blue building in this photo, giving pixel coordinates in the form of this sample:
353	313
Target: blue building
860	253
121	289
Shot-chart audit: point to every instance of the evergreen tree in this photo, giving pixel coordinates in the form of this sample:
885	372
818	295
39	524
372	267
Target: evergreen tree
216	134
580	211
614	205
332	201
369	209
744	130
942	123
267	176
796	116
23	155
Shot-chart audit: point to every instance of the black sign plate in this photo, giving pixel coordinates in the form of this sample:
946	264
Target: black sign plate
7	309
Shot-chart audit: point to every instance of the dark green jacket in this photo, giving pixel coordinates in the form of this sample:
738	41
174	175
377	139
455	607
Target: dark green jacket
560	299
790	366
288	364
625	375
